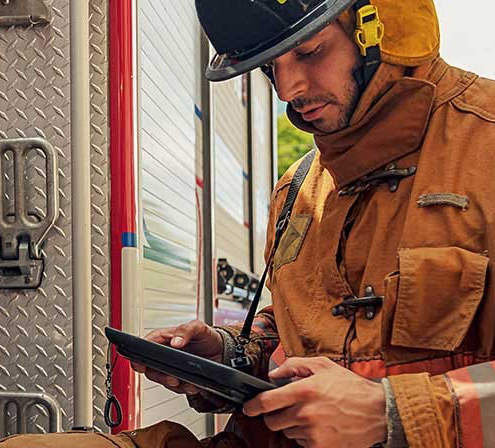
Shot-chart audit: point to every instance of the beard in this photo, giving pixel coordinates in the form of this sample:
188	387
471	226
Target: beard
341	109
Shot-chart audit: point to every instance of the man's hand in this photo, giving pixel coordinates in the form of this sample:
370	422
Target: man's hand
194	337
330	406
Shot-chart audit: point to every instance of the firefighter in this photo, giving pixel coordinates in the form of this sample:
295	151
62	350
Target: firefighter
383	297
383	270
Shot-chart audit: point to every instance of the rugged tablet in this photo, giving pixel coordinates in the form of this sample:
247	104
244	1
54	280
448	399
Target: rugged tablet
226	382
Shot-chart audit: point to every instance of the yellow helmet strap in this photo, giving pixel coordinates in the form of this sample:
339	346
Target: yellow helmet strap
368	35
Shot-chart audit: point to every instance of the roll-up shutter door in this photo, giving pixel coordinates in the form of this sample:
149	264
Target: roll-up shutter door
231	172
169	60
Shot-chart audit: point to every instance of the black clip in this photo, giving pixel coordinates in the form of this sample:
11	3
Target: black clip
241	361
349	306
392	175
281	225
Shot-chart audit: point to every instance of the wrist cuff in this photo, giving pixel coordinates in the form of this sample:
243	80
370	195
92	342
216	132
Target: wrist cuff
228	345
396	436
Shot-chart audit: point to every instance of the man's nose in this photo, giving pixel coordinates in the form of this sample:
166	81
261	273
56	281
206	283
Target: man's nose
290	82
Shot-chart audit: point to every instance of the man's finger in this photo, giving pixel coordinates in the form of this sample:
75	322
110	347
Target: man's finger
177	337
158	377
138	367
160	336
171	383
287	418
301	367
280	398
296	432
190	389
185	332
291	369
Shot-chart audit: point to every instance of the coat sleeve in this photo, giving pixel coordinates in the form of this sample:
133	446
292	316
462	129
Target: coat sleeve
264	340
456	409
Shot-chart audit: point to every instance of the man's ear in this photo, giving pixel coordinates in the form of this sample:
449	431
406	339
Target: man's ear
347	20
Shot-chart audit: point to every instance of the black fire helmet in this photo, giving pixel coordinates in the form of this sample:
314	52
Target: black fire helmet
247	34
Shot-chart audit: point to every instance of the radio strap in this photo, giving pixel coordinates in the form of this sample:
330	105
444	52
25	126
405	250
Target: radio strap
241	361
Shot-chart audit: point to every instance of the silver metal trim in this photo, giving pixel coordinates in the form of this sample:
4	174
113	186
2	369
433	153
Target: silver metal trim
81	213
274	132
209	270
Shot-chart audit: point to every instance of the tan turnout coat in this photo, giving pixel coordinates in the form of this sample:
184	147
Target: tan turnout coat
427	248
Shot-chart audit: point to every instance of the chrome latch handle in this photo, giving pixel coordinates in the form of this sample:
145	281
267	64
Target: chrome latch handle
21	237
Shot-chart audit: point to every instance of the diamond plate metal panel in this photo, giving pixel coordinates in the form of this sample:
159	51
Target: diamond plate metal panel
100	212
36	326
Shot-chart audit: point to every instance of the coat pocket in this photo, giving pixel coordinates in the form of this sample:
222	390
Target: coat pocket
292	240
439	291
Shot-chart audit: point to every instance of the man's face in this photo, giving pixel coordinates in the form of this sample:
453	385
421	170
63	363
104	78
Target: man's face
317	78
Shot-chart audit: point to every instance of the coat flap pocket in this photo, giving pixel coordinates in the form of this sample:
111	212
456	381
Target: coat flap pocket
292	240
439	292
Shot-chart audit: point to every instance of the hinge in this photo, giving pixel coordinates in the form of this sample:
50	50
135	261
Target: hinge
22	233
23	12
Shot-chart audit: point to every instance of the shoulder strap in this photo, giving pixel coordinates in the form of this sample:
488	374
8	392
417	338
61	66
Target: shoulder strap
241	361
295	186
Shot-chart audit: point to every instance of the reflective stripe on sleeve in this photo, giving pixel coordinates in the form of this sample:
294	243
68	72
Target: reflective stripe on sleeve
474	387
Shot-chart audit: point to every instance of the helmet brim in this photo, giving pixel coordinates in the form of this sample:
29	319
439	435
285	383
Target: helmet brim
223	67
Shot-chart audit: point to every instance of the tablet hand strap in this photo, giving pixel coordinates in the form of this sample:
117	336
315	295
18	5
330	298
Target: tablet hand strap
112	401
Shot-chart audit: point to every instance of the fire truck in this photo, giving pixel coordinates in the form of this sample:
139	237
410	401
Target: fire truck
133	194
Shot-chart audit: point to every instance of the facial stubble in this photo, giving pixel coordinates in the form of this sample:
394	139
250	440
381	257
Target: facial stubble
345	106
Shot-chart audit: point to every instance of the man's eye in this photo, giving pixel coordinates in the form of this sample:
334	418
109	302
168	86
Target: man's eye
309	53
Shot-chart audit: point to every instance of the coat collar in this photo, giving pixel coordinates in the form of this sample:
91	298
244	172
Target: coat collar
389	122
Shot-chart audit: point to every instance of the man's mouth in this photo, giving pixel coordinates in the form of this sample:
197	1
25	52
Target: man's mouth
314	113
